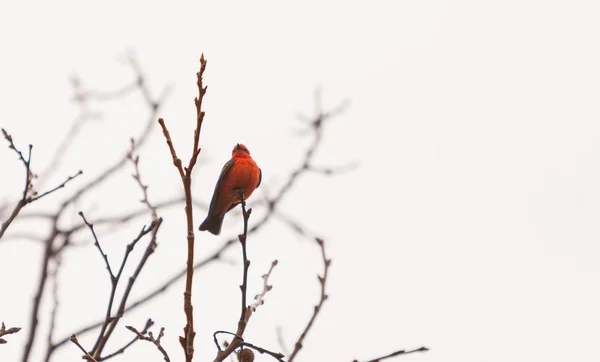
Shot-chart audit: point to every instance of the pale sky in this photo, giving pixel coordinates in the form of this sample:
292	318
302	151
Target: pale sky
469	226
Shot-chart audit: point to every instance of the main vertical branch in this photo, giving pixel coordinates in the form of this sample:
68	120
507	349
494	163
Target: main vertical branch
187	340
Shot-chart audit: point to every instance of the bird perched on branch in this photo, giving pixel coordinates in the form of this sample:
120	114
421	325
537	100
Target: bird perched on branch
241	172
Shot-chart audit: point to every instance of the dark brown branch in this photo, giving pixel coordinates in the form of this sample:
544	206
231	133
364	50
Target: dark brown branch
88	187
159	290
111	322
246	310
86	355
97	245
238	340
397	353
322	281
244	287
4	331
103	337
150	338
187	340
149	324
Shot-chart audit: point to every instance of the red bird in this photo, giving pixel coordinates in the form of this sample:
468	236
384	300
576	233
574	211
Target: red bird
239	172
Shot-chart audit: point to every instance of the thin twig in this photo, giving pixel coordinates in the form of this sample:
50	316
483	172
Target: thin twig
138	178
150	338
149	324
4	331
28	177
86	355
246	311
97	245
111	322
26	198
238	340
259	299
102	337
323	298
397	353
244	315
39	196
277	355
187	340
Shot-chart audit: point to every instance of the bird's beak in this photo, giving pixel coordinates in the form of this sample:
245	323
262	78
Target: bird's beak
237	147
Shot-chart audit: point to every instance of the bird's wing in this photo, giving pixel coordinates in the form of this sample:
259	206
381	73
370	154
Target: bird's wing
259	177
224	171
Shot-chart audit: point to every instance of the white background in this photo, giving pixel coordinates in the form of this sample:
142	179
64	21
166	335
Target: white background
469	227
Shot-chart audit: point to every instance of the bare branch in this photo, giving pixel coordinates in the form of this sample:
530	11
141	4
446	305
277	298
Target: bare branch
29	195
97	245
149	324
322	281
238	340
187	340
397	353
37	197
86	355
110	323
138	178
260	298
49	252
277	355
28	177
4	331
150	338
246	311
176	160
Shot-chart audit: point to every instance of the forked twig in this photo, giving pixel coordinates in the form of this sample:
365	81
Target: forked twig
4	331
150	338
29	195
149	323
322	281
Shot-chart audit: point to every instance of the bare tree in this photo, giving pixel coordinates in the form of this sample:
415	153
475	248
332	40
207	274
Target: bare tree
58	238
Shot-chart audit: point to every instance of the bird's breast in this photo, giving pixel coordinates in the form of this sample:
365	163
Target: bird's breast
243	174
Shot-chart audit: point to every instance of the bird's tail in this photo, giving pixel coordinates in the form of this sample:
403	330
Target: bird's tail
212	224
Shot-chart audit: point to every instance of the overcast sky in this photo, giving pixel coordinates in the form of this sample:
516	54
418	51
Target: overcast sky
469	226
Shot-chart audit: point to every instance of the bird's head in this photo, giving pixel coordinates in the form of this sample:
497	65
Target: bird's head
240	151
